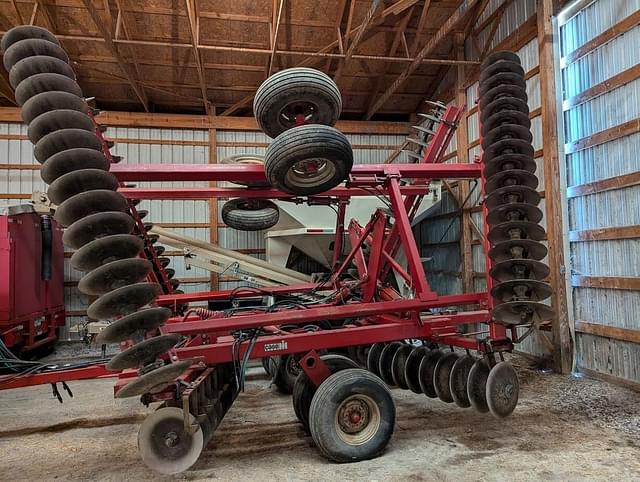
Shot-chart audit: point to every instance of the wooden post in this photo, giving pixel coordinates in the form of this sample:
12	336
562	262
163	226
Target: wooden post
463	186
213	203
562	340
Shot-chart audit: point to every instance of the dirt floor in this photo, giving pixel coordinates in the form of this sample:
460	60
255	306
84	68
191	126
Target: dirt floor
563	429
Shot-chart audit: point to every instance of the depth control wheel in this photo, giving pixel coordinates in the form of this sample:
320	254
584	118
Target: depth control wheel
352	416
304	389
164	444
285	372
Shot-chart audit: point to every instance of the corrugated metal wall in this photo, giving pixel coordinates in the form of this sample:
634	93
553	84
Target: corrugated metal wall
20	177
596	104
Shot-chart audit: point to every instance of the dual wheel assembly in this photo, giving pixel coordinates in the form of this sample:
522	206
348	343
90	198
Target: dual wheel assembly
511	200
464	380
298	107
104	228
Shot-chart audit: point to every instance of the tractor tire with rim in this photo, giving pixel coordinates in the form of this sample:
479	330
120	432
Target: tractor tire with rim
352	416
285	373
304	389
299	91
308	160
246	160
250	214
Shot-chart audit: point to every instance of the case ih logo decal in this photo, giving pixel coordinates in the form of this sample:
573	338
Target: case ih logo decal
281	345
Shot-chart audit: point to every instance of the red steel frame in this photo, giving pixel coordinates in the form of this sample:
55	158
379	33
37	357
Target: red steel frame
379	315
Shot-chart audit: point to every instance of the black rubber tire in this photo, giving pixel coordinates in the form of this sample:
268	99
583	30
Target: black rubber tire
38	65
295	86
323	413
284	377
32	47
250	214
304	390
312	142
246	160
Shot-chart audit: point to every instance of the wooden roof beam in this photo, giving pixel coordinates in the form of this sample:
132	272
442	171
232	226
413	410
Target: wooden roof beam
366	23
450	24
421	25
18	14
194	31
274	38
108	39
392	51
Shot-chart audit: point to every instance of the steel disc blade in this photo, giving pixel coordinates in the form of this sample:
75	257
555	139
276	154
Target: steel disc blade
521	312
508	146
511	177
48	101
502	79
123	301
87	203
143	353
96	226
426	371
505	117
169	458
22	32
506	131
412	367
64	139
521	290
139	322
148	226
441	375
31	47
174	284
503	91
114	275
58	119
516	229
38	65
512	194
385	364
508	250
519	269
498	57
155	380
514	212
72	160
503	389
500	105
458	380
172	272
373	358
509	162
153	238
83	180
159	250
47	82
164	262
142	213
500	67
397	366
476	385
104	250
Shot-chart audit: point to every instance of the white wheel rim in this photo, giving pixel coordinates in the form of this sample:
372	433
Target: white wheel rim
357	419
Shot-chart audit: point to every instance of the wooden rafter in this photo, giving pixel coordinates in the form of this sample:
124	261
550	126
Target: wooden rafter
108	39
392	51
18	14
452	22
121	23
421	25
274	40
366	23
194	31
342	7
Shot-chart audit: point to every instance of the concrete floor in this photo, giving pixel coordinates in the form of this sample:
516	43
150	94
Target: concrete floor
563	429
